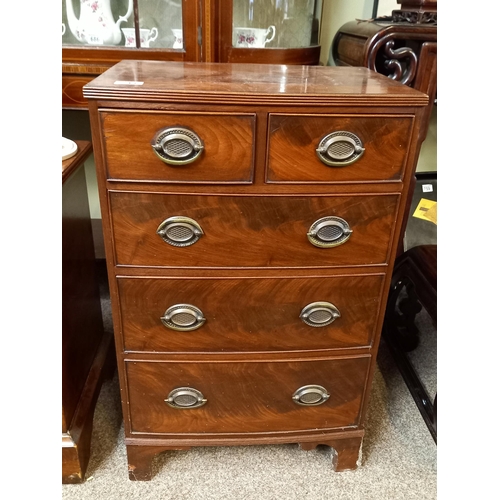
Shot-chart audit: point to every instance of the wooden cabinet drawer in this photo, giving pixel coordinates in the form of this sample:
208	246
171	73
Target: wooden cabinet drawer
245	397
251	231
227	155
293	140
249	314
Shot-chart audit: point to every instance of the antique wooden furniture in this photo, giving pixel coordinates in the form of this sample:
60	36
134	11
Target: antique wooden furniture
250	214
206	27
413	286
402	46
85	346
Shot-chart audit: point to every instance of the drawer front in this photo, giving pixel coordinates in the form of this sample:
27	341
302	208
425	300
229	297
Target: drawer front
293	141
252	314
243	231
244	397
227	155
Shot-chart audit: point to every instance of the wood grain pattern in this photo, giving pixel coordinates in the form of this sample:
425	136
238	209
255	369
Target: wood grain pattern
236	405
293	140
72	93
266	231
253	269
255	84
248	314
228	146
275	55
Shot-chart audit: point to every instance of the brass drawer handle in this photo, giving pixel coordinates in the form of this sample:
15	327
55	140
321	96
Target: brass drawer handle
340	148
319	314
177	145
183	318
185	398
329	232
310	395
180	231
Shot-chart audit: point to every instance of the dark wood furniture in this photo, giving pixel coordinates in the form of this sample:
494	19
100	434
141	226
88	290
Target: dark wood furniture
248	275
86	347
413	286
207	27
402	46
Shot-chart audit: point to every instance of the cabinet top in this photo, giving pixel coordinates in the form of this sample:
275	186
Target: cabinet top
225	83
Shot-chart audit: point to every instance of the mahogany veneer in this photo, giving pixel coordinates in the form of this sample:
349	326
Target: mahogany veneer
253	333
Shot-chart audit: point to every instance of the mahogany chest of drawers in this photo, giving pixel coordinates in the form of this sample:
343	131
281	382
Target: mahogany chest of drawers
250	216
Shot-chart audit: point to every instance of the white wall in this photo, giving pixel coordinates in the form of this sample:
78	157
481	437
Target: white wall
335	14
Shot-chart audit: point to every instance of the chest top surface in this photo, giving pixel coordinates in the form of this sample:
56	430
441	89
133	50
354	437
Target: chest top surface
250	83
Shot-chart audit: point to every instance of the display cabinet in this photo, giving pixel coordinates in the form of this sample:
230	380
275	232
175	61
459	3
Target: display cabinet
270	31
96	34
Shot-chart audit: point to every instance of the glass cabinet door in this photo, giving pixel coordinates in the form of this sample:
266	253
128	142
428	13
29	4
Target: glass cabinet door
276	23
270	31
96	34
115	23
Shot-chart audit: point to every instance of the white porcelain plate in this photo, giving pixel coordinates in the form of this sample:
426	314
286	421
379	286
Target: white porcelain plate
69	148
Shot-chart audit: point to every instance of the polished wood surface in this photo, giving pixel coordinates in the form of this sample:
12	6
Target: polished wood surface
257	231
71	165
249	314
80	63
85	346
293	141
253	268
207	34
235	406
257	84
227	156
295	56
405	52
403	47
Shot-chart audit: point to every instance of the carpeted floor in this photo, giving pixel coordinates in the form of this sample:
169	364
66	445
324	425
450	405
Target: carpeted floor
398	462
399	459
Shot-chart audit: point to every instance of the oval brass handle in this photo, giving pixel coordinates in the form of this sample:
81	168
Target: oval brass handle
341	148
319	314
185	398
183	318
310	395
329	232
177	145
180	231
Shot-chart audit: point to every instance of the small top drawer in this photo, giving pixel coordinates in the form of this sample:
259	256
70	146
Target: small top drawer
178	147
334	148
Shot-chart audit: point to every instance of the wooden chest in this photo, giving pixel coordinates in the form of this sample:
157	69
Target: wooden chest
250	215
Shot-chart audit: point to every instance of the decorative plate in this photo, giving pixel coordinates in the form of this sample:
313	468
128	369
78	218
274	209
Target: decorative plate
69	148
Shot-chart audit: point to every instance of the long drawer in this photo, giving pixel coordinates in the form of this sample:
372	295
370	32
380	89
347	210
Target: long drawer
227	140
334	148
150	229
253	314
245	397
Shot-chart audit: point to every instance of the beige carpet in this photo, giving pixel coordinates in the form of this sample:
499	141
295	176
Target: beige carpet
399	459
